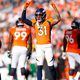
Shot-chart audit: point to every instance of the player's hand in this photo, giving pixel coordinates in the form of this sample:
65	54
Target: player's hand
27	3
52	3
64	55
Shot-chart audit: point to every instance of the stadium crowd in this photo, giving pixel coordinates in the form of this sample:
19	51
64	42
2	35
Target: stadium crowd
11	10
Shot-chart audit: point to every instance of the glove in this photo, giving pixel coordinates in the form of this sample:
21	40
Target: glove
64	55
27	3
9	54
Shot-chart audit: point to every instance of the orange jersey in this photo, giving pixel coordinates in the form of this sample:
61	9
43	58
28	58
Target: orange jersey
43	31
72	44
20	35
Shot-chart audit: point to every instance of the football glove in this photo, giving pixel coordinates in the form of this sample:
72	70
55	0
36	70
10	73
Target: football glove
27	3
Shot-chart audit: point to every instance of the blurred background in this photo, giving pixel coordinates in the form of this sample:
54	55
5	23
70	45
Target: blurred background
11	10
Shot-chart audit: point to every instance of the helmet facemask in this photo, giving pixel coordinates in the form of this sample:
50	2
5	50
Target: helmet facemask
75	23
40	15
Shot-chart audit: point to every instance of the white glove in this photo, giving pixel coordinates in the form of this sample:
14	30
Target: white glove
9	54
64	55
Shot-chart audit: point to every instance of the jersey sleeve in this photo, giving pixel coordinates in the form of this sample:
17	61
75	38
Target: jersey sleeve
51	20
11	30
26	21
33	22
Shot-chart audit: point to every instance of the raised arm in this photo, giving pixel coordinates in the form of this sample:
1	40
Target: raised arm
26	21
57	13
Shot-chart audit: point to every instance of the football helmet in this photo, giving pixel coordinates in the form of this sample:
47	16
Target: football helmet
40	15
75	23
19	22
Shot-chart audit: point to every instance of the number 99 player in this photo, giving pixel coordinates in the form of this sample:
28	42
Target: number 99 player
19	39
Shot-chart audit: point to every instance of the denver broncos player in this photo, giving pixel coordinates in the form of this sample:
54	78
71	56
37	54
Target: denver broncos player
43	27
72	45
20	37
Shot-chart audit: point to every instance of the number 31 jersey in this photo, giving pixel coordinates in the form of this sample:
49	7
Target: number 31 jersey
20	35
72	44
43	31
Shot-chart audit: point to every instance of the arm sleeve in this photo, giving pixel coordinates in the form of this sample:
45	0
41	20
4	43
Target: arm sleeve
26	21
64	44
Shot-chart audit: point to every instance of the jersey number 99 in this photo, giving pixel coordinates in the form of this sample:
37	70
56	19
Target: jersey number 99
20	34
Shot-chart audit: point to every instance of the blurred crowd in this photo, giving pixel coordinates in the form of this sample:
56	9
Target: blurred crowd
10	10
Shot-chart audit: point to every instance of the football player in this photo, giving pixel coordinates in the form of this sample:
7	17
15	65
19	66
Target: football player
72	45
43	27
19	39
